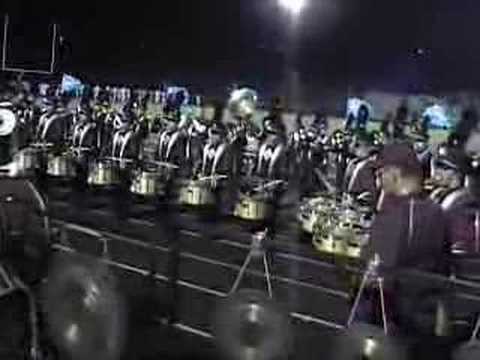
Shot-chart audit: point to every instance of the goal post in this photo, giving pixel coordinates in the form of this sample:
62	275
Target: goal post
13	68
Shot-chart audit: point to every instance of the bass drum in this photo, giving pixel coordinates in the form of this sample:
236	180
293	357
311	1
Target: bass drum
8	124
24	229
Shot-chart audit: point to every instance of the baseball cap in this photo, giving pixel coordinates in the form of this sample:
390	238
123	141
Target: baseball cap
401	155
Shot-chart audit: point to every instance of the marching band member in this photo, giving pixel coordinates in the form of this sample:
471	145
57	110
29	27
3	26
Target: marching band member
360	173
463	204
207	127
273	122
408	230
400	121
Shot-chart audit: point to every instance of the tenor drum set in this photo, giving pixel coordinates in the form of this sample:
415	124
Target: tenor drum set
340	230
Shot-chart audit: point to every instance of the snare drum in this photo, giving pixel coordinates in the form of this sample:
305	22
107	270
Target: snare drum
196	193
147	183
104	173
253	208
62	166
28	160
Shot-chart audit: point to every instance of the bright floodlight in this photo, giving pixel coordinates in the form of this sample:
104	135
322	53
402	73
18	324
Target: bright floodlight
294	6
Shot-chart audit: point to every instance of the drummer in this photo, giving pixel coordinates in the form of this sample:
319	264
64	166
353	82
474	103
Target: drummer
360	174
207	128
273	123
408	231
463	204
445	175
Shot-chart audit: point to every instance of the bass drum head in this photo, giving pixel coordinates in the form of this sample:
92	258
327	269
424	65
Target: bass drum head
8	122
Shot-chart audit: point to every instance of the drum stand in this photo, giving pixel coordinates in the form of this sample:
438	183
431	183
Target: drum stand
371	275
11	283
257	250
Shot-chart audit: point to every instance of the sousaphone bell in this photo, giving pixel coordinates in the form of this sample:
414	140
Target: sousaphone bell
242	103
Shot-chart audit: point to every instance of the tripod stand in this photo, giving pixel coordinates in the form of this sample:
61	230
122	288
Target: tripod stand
476	331
257	250
371	275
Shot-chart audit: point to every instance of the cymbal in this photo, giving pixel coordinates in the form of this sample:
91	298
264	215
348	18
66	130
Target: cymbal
363	341
250	326
84	310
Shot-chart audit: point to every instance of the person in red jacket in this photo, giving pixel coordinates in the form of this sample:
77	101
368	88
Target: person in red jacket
408	231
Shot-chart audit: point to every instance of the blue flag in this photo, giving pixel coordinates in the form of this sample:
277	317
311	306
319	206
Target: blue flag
71	85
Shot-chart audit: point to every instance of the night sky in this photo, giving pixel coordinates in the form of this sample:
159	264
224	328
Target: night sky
339	44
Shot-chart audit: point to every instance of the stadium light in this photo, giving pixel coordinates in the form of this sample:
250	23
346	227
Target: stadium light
293	6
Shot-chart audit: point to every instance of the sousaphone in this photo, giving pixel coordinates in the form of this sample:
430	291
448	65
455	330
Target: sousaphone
243	103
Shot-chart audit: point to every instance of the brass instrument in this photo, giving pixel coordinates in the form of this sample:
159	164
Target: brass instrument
242	103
